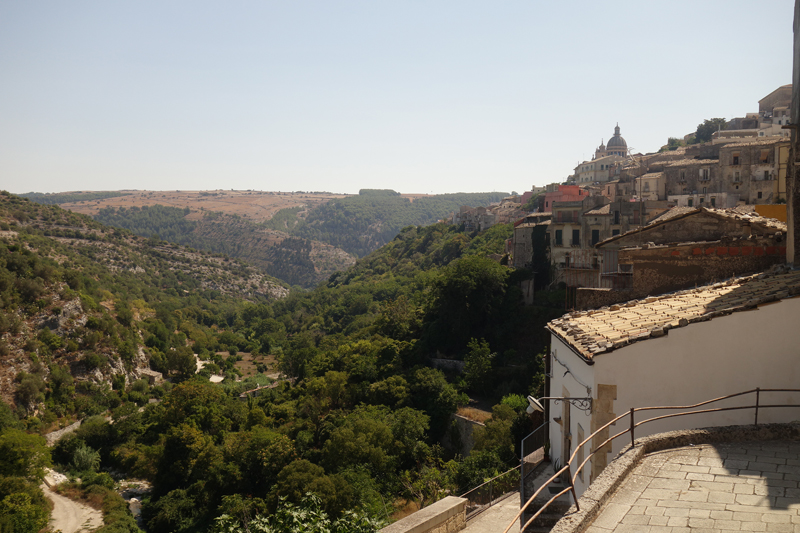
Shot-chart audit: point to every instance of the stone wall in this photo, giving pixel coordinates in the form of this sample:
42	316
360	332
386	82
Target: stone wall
662	269
696	227
460	436
445	516
665	269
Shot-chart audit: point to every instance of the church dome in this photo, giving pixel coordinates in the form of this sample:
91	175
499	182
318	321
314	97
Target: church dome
617	141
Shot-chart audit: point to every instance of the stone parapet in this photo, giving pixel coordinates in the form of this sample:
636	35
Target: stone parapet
445	516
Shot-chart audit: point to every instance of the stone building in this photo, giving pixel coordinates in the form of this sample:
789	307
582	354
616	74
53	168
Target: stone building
604	163
755	170
691	176
522	241
683	248
474	218
563	193
675	349
773	112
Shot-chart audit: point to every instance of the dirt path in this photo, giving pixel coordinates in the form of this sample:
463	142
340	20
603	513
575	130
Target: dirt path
70	516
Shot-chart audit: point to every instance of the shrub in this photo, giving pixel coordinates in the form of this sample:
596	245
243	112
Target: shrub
85	458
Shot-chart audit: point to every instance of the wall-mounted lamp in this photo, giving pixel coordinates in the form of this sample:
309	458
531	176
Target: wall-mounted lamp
584	404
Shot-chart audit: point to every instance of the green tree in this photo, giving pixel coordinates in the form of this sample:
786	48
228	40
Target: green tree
307	516
466	297
478	365
707	128
85	458
18	514
496	434
23	455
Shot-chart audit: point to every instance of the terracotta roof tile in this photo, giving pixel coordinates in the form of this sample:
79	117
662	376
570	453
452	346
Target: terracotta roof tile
686	162
603	330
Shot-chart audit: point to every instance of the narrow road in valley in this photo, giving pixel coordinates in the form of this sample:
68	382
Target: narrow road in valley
70	516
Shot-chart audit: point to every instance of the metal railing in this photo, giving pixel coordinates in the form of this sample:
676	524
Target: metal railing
566	469
531	450
485	494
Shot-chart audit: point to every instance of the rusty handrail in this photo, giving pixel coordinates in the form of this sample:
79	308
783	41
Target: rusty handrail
518	467
633	425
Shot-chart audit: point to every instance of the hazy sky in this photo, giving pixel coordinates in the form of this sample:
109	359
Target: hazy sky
416	96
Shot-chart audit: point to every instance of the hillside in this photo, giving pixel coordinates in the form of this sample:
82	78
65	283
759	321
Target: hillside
65	278
294	260
87	308
300	238
361	224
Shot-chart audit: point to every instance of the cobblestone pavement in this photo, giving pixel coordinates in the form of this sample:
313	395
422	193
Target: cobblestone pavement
744	486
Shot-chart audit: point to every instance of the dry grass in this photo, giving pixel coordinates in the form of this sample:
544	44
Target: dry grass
404	508
476	415
74	493
255	206
247	366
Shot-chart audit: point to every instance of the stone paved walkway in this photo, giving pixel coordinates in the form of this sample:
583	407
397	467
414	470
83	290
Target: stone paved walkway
745	486
497	517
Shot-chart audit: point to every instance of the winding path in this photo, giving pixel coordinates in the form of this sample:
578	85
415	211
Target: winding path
70	516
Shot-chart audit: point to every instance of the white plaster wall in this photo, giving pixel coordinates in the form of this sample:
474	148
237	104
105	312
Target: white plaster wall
729	354
580	371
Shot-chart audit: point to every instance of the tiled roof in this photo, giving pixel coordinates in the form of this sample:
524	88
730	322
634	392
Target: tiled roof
651	175
765	141
672	213
754	218
686	162
603	330
676	212
532	224
605	210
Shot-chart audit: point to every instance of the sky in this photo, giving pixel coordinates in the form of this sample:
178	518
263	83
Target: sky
416	96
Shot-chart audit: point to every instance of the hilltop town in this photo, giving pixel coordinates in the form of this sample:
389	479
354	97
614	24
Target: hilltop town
733	175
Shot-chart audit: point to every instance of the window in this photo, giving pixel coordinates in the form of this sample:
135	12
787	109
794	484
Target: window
704	174
616	217
766	174
735	158
595	236
682	176
705	190
765	156
736	176
647	186
713	201
614	232
559	237
691	202
576	237
760	194
701	200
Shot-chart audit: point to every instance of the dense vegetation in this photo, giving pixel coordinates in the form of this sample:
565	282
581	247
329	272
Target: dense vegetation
290	259
359	421
56	198
363	223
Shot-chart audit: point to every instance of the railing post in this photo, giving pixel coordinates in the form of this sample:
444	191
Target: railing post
758	394
523	499
572	488
633	426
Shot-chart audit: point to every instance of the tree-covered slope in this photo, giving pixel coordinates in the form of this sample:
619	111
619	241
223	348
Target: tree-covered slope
67	197
363	223
360	421
296	261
